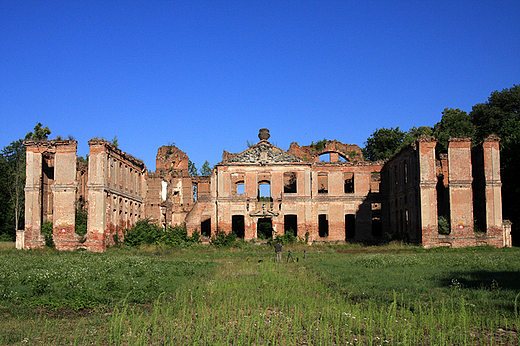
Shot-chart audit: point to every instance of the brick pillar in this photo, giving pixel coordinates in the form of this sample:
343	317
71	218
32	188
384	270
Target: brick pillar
493	183
428	218
460	189
33	211
64	196
97	206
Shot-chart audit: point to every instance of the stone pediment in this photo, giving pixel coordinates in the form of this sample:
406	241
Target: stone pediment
263	153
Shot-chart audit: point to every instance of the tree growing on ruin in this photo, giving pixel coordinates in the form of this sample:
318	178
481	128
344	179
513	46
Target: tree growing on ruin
40	133
383	144
192	169
206	169
454	123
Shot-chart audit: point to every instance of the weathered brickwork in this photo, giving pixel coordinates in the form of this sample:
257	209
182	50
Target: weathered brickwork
170	189
116	189
331	201
463	187
323	193
50	193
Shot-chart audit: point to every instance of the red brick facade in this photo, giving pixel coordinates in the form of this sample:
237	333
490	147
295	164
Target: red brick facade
265	191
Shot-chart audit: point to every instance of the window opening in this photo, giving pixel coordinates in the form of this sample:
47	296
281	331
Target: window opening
405	172
325	158
240	190
349	182
323	183
264	192
265	228
205	228
291	224
289	182
238	226
323	225
350	226
377	229
375	180
47	178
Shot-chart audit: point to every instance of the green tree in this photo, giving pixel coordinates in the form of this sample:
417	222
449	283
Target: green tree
192	169
115	142
39	134
500	115
383	144
13	166
206	169
454	123
414	133
12	182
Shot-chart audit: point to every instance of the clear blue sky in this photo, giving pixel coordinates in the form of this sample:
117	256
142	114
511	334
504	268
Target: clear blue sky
207	75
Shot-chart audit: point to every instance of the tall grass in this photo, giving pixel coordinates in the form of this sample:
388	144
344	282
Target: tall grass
343	295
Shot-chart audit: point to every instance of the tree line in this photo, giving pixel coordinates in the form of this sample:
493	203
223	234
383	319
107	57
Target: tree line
499	115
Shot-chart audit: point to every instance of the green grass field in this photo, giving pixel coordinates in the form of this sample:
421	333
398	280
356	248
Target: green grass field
336	295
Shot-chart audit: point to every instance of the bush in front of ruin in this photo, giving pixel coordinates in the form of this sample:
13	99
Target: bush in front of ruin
146	232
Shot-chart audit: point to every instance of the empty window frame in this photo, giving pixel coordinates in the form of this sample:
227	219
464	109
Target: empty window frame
237	179
323	182
238	226
323	225
289	182
291	224
350	226
375	181
377	229
349	182
240	187
264	191
205	228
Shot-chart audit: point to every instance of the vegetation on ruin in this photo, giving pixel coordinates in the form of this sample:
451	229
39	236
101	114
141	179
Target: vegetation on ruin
499	115
342	294
81	219
47	232
12	183
146	232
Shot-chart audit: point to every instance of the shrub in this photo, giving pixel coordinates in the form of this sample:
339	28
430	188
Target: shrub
81	221
6	237
287	238
47	233
444	225
221	239
143	232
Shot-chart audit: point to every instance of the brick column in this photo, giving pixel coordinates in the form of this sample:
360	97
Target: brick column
96	186
428	218
64	196
33	211
460	189
493	185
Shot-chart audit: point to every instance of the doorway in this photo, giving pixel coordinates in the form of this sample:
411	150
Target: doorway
265	228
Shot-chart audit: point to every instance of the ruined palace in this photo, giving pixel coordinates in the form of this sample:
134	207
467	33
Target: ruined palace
320	193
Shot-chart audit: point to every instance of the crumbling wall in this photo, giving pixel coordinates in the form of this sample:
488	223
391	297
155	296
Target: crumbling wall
116	189
297	202
170	189
336	149
50	193
446	187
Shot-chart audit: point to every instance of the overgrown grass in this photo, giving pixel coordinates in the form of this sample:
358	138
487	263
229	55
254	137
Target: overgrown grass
340	295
